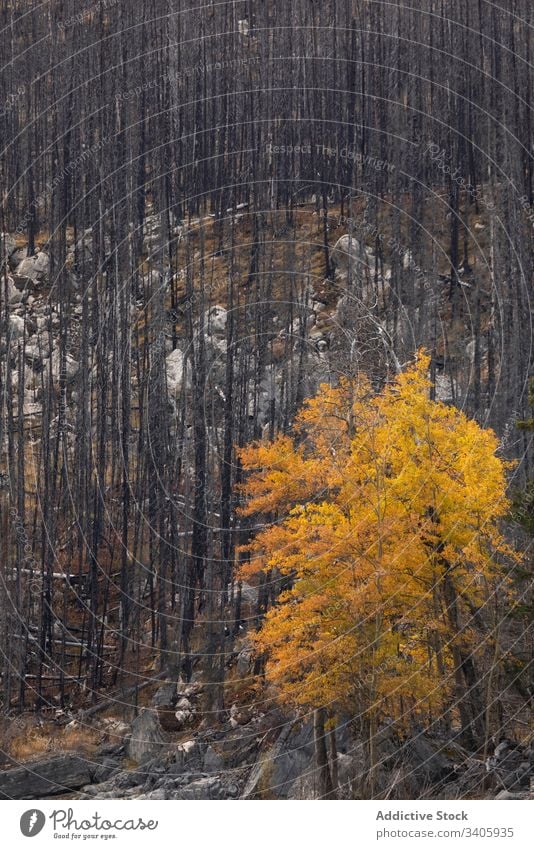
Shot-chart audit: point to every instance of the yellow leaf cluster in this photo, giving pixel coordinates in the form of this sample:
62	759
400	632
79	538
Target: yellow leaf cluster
376	509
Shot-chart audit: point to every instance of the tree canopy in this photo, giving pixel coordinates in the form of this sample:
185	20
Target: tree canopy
382	522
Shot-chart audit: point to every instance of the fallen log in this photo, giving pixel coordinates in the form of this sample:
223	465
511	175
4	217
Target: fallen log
51	777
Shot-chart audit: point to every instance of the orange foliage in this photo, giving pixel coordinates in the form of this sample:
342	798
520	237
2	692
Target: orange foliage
377	509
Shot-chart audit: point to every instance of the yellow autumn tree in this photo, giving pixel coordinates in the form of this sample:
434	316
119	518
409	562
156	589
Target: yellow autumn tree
381	518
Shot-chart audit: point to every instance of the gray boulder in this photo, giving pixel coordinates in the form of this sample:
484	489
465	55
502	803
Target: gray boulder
83	249
161	793
106	770
511	765
7	244
203	788
34	269
283	767
147	738
43	778
215	319
505	794
245	661
213	761
427	760
177	371
71	368
34	356
350	253
14	295
16	256
165	696
188	758
16	327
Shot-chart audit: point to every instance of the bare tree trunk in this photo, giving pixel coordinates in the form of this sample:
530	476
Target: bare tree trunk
324	784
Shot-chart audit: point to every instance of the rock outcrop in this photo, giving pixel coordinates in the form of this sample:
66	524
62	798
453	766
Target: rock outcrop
50	777
147	738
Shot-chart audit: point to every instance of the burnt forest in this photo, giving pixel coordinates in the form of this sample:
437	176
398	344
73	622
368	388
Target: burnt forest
266	399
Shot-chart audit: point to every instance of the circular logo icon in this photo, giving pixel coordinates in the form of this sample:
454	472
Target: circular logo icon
32	822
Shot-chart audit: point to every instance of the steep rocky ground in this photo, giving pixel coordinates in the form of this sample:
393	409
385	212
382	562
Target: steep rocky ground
251	753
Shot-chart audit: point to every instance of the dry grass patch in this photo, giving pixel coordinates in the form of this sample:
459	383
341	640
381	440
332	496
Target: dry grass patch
26	738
